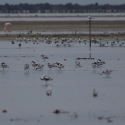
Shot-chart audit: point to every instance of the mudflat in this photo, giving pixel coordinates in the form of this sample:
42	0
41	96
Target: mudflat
72	28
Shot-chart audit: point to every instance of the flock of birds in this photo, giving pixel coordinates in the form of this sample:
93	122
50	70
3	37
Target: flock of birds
98	63
36	66
67	41
58	43
46	78
114	43
50	65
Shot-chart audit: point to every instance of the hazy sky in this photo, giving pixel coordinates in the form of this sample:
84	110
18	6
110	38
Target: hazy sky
83	2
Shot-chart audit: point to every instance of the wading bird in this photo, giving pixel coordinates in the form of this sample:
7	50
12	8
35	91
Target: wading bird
7	27
49	91
95	94
46	78
26	67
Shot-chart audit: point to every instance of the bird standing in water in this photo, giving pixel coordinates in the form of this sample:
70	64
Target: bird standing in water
49	91
95	94
46	78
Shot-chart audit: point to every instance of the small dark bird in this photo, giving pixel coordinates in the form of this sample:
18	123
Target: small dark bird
19	44
12	42
95	94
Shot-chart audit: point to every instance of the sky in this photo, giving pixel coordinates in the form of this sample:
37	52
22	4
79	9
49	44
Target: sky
82	2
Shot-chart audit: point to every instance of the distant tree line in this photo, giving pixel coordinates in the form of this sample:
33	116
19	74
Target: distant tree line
60	8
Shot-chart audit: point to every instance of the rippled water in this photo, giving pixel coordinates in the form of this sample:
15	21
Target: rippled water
23	94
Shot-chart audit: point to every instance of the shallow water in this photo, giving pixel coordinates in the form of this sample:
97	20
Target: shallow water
23	94
59	18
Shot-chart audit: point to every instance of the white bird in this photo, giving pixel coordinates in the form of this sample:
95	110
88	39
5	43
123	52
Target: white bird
34	64
107	72
49	91
94	65
58	65
77	63
99	61
44	57
26	67
3	65
7	27
46	78
51	65
39	67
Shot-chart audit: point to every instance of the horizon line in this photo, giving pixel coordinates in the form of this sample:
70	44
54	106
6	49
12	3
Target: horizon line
63	4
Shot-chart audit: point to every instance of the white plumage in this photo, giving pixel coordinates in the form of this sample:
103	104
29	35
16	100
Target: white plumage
49	91
26	67
39	67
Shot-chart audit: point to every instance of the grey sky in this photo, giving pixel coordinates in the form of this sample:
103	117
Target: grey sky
83	2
